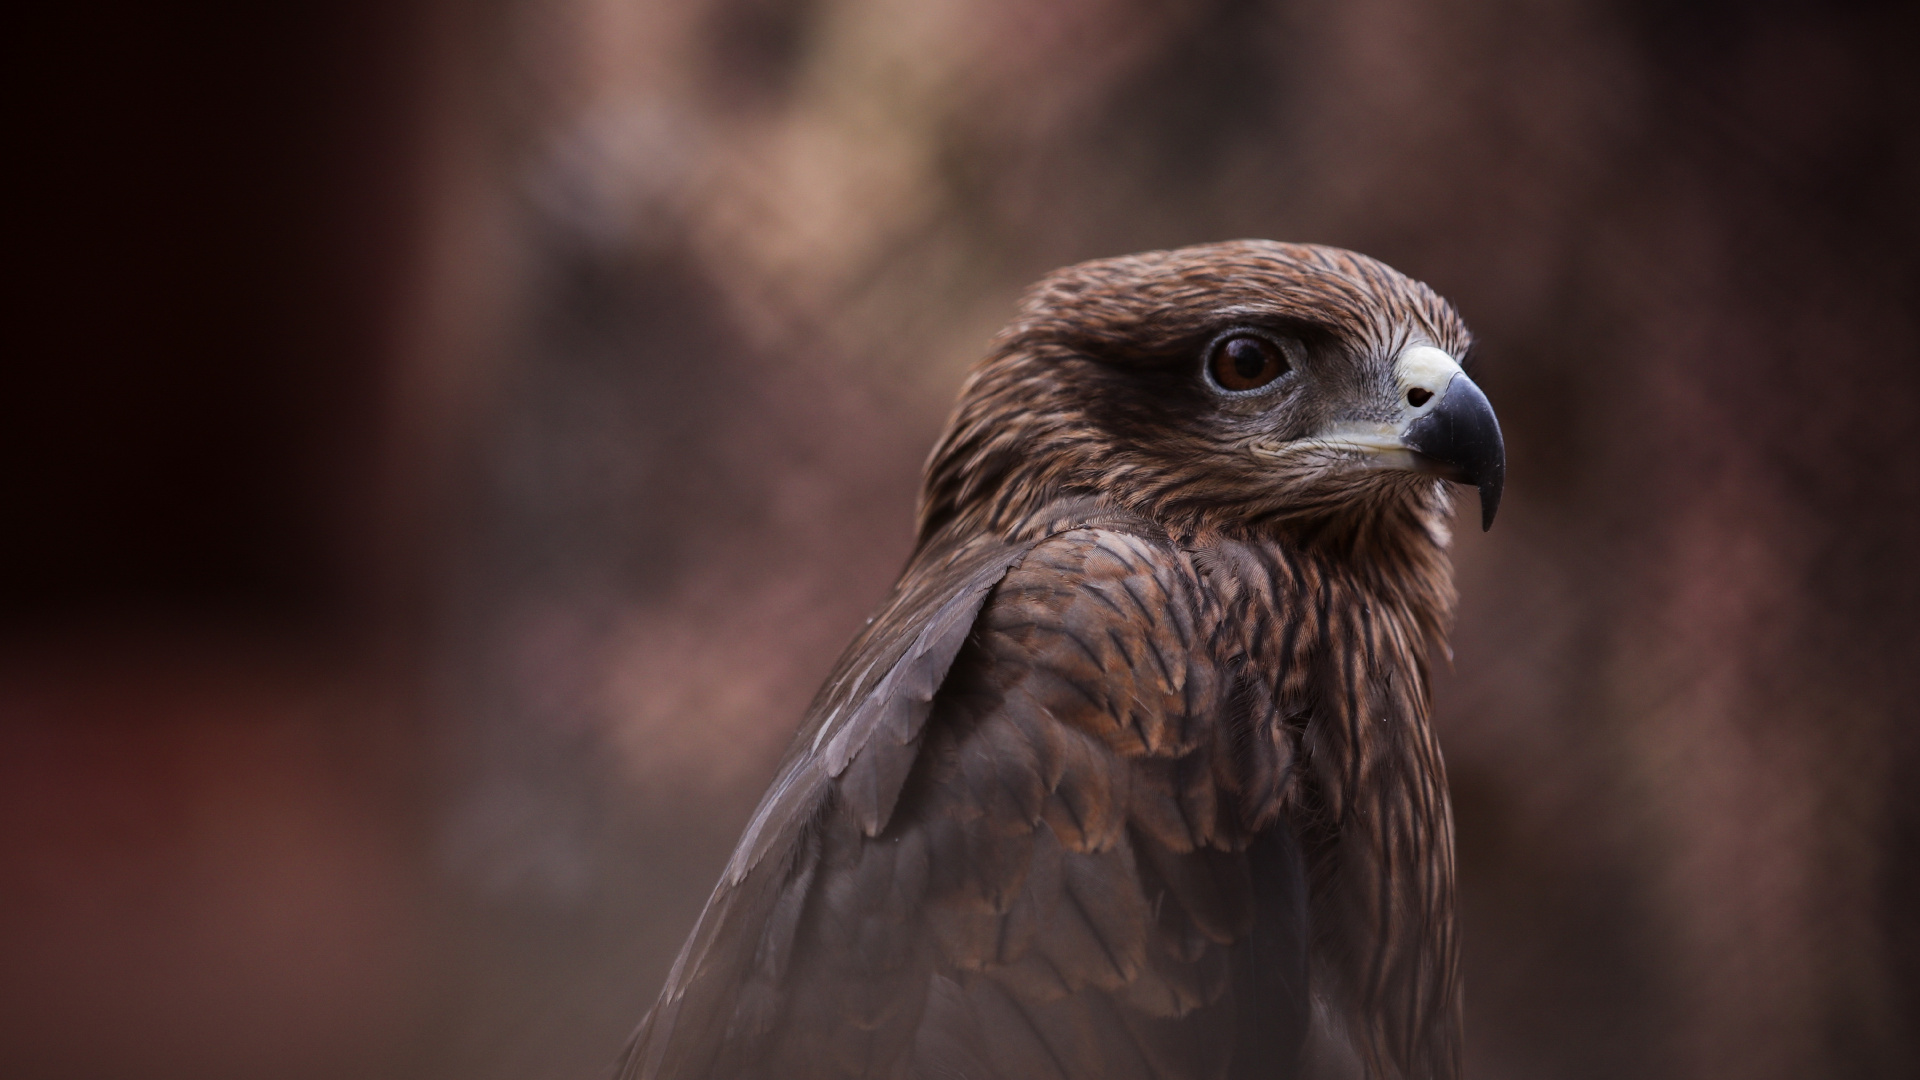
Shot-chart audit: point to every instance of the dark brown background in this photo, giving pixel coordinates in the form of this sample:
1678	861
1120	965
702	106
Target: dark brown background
446	444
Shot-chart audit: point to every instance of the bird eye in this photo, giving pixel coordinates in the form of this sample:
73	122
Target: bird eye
1246	362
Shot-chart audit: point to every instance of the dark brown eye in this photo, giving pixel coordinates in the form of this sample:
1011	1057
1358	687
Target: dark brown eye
1246	363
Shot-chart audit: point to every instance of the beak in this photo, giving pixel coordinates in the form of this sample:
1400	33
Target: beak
1459	440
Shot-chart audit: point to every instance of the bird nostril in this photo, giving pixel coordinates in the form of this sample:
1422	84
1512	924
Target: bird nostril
1419	396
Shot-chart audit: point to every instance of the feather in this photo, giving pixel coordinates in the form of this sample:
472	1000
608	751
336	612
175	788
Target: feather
1130	776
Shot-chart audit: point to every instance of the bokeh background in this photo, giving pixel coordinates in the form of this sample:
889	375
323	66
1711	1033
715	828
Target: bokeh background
448	442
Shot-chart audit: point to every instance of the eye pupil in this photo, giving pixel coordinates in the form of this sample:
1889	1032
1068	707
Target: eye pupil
1249	359
1247	363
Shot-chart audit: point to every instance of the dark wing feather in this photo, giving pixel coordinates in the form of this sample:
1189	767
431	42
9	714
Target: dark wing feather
1002	847
726	990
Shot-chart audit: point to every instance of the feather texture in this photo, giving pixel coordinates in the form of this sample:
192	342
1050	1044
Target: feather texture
1132	775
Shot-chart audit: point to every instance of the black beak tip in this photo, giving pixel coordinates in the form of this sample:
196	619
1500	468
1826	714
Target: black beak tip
1490	499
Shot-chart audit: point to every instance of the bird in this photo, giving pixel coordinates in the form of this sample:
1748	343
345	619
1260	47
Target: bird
1133	773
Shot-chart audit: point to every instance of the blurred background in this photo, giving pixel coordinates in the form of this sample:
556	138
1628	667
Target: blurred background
447	443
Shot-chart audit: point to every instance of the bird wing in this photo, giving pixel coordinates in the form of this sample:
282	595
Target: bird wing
1006	844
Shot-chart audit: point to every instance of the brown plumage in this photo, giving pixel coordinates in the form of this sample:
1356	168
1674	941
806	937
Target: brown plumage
1132	775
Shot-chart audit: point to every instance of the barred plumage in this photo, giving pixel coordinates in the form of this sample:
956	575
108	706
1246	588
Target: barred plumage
1133	775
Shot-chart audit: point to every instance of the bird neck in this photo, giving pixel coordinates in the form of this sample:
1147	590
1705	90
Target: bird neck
1392	550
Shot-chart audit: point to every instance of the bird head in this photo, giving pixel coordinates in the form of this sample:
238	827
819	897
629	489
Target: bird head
1243	385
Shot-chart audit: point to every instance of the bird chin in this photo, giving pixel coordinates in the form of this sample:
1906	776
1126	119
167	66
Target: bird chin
1360	471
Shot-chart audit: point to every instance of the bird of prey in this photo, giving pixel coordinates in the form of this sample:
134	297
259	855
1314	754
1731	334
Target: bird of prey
1132	775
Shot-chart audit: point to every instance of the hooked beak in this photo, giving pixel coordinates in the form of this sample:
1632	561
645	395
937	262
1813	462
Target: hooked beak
1445	428
1459	440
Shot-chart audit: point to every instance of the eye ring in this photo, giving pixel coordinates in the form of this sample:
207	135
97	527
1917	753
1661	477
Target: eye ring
1241	363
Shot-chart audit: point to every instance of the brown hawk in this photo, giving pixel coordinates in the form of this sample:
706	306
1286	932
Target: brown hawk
1132	774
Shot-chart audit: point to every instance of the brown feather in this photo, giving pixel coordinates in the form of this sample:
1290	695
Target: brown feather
1134	766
